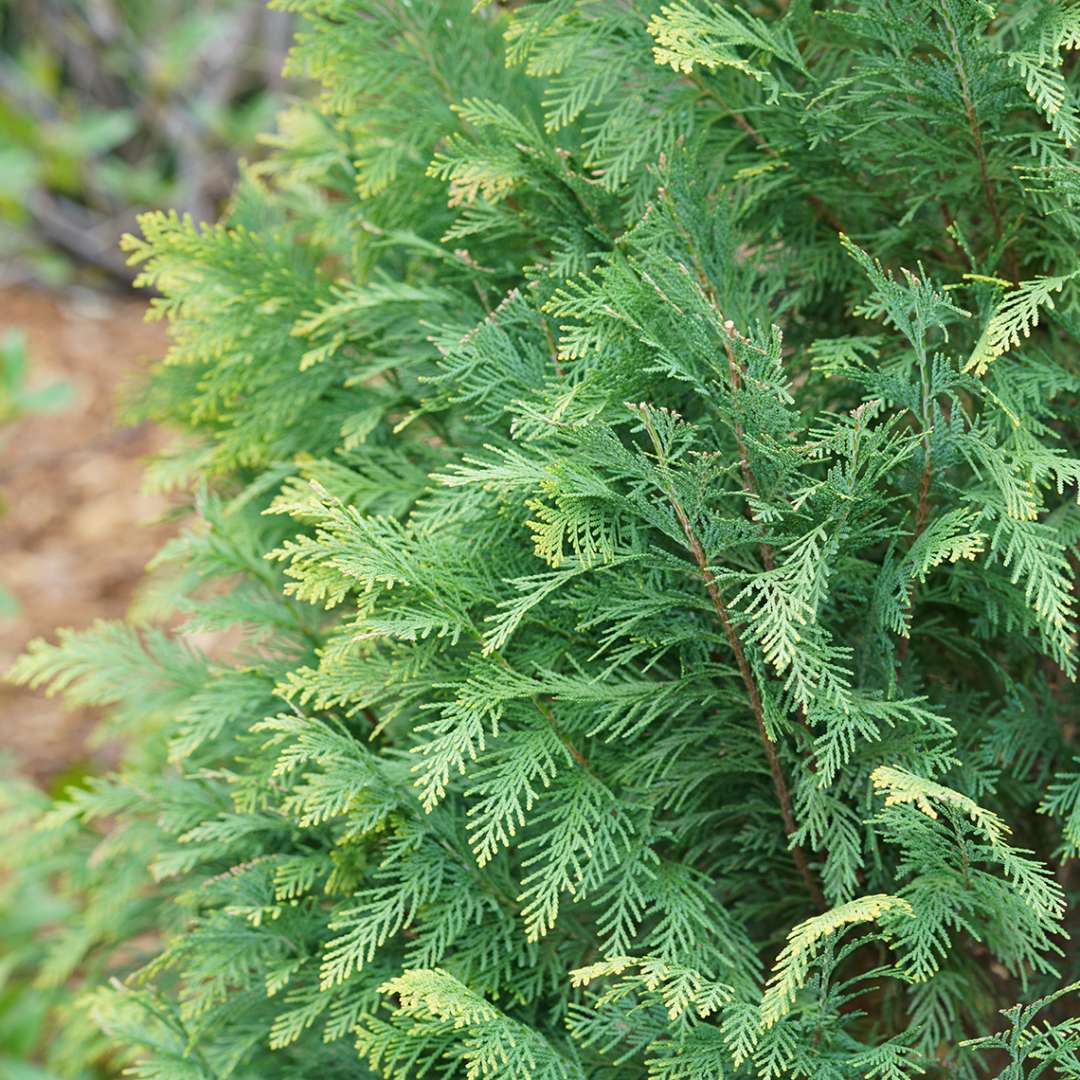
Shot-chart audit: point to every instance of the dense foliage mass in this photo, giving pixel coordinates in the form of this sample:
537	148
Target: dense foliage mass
634	522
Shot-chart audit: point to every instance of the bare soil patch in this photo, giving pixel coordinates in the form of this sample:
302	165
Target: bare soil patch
76	530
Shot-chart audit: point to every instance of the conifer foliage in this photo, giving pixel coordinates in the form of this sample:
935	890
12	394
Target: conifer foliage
634	463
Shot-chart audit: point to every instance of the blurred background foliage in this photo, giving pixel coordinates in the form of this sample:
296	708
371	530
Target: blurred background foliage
111	107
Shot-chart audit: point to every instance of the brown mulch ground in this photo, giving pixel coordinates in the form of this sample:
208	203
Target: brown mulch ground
75	529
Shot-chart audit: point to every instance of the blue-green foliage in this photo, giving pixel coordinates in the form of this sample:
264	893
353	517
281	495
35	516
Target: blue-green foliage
635	498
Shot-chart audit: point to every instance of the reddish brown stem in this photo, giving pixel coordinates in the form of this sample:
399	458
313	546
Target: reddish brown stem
734	371
546	712
760	141
989	193
783	796
750	487
574	752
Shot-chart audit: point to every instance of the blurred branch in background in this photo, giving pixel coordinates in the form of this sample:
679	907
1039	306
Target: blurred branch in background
111	107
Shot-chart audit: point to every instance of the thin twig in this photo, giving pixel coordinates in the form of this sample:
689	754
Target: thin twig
734	371
762	144
575	753
91	239
697	552
976	137
545	710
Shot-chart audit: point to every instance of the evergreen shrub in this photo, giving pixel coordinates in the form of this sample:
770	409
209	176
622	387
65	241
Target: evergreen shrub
633	456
